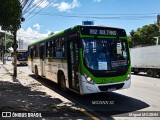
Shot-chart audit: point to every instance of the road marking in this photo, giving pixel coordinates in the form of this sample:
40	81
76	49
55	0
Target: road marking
88	114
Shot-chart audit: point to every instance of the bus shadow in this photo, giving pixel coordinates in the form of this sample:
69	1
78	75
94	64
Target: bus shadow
108	104
21	65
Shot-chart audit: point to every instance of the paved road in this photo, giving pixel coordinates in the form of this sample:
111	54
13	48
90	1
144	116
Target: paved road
144	95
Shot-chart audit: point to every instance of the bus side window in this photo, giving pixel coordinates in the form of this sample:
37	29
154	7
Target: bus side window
59	48
53	48
36	51
59	53
63	47
49	49
46	49
31	53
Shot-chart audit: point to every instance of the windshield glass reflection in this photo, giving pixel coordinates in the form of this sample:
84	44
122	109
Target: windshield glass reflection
22	56
105	54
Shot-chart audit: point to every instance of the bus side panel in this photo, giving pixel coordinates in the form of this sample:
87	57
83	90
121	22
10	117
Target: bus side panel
65	71
57	66
53	66
46	68
40	61
36	64
54	70
30	62
50	70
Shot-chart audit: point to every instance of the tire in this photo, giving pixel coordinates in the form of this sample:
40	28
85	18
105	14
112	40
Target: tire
150	73
158	74
62	83
135	72
155	73
36	72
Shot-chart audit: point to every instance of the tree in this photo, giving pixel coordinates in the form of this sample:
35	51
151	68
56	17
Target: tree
10	20
135	38
51	33
10	15
9	40
143	36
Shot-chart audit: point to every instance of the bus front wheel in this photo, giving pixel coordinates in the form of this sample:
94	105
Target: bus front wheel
63	83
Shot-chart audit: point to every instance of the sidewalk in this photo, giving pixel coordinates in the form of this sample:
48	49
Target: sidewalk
25	94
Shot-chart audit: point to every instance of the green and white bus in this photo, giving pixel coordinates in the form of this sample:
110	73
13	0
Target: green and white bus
84	59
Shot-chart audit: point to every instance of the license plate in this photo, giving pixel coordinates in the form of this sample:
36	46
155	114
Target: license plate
111	89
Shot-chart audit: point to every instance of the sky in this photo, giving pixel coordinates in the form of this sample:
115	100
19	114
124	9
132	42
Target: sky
46	16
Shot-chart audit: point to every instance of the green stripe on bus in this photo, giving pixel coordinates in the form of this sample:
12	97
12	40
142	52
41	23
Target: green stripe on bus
102	80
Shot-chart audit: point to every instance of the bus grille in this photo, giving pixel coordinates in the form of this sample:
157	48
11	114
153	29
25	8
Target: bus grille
106	87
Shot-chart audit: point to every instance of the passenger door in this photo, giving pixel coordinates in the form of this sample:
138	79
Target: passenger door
42	66
73	62
30	62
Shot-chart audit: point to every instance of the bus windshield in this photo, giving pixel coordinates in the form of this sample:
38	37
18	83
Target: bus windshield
22	55
107	54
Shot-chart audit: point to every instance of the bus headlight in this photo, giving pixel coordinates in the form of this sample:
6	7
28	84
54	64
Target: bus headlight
128	76
88	79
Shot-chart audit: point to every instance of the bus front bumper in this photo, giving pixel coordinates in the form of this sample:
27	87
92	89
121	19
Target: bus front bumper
89	88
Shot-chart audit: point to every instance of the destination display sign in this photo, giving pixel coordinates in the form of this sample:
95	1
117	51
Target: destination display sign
102	31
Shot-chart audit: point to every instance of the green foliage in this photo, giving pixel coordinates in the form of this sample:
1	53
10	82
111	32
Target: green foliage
143	36
9	40
10	15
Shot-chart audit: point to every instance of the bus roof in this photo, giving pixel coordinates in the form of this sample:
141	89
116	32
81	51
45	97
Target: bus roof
44	39
78	27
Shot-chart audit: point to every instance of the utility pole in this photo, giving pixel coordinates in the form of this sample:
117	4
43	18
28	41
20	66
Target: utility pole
15	46
3	50
4	46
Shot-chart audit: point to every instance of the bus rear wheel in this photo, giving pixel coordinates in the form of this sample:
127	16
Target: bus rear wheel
63	83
